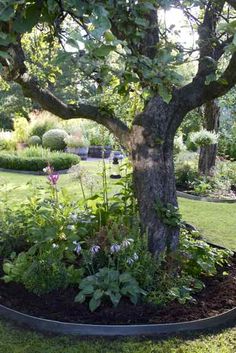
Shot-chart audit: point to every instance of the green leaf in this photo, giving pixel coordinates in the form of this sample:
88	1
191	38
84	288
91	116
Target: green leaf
27	20
80	298
7	267
125	277
94	304
164	93
115	298
88	289
4	55
7	14
98	294
104	50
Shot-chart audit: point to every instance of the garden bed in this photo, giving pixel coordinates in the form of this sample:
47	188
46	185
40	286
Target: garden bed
218	297
191	196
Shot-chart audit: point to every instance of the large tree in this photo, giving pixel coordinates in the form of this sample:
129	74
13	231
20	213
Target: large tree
128	41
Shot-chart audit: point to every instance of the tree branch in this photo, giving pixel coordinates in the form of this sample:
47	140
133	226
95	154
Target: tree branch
17	72
198	92
51	103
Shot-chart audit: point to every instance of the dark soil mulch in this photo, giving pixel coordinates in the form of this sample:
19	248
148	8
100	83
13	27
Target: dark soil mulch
218	297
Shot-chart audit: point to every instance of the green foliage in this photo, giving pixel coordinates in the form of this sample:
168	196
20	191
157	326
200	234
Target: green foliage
37	159
99	136
40	126
76	141
108	283
169	214
227	143
21	129
200	258
185	175
201	187
194	261
7	141
40	274
179	145
34	141
55	139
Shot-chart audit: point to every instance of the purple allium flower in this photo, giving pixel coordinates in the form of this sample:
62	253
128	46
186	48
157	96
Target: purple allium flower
127	242
115	248
53	178
95	249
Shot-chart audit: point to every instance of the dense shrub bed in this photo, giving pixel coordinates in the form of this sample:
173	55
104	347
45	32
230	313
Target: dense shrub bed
60	161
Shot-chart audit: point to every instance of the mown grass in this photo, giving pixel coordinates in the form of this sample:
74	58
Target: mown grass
218	224
16	340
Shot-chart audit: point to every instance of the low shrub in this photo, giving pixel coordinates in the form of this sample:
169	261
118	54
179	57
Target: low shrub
7	141
55	139
60	161
186	174
34	141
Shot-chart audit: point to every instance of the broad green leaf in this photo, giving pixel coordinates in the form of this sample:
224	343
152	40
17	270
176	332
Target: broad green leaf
94	304
80	298
7	14
104	50
4	55
27	20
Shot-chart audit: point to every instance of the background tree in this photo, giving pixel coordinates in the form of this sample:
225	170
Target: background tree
207	158
146	55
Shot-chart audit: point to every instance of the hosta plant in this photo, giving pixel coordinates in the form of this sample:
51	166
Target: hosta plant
111	284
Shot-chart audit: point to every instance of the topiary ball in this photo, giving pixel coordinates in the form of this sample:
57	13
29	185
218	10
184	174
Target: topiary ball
54	139
34	141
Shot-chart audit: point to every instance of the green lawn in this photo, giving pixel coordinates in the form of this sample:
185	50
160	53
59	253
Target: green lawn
16	340
216	221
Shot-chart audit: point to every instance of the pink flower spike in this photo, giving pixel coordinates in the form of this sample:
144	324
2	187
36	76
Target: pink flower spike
53	178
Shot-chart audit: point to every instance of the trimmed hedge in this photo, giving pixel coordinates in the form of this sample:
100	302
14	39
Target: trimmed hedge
59	162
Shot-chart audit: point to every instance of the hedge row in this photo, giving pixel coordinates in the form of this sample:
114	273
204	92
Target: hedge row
63	161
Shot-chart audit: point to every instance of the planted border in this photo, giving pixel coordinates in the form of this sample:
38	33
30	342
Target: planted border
185	195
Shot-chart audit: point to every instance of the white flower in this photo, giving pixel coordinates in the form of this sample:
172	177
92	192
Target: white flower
78	248
115	248
70	227
74	217
55	246
135	256
127	242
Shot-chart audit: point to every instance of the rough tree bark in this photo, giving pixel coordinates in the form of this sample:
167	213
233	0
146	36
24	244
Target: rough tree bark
207	158
152	155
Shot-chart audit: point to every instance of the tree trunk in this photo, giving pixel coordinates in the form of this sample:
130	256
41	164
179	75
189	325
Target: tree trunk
207	158
154	179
